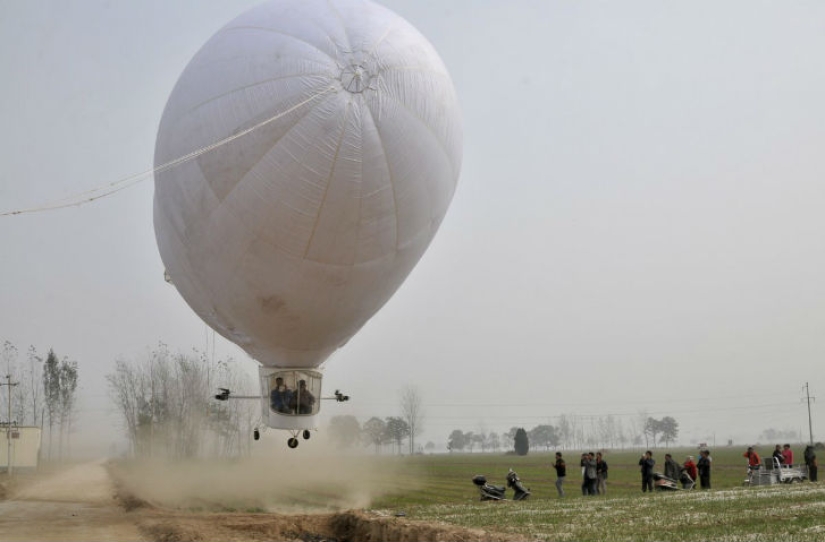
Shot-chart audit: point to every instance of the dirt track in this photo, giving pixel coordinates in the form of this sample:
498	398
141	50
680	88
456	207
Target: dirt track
73	505
83	503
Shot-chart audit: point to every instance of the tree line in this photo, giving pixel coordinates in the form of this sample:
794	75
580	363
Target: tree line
379	433
572	432
43	394
166	406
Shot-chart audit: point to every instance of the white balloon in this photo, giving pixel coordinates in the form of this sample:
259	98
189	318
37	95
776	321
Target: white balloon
288	238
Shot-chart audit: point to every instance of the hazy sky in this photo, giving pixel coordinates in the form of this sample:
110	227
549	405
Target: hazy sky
638	224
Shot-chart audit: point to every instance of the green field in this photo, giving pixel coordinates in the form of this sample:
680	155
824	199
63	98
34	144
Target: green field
439	488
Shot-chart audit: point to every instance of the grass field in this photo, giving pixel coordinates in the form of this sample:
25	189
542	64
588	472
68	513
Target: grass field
439	488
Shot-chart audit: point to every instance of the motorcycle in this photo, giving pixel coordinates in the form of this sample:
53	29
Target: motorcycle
490	492
514	482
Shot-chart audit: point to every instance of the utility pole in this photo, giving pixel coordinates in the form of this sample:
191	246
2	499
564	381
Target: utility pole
8	383
810	424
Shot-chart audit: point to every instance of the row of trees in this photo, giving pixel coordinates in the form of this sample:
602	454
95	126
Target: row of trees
667	429
166	407
515	439
378	433
347	432
570	433
44	394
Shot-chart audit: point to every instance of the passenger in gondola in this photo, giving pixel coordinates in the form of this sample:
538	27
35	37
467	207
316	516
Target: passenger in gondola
280	396
302	400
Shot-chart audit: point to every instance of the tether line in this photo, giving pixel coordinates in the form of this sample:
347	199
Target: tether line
115	187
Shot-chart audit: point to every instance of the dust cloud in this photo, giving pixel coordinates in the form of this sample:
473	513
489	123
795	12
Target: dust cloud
85	482
283	481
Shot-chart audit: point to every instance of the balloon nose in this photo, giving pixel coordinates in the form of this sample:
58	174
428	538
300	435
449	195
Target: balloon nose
355	78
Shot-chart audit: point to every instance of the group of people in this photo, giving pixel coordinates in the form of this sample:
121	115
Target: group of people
594	469
783	455
687	473
594	473
287	401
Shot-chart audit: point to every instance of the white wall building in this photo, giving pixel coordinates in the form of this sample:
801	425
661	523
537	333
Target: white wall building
25	446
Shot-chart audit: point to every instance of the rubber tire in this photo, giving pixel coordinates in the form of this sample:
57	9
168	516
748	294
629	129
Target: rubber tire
307	434
292	442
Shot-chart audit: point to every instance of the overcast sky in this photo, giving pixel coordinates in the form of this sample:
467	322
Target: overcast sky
638	224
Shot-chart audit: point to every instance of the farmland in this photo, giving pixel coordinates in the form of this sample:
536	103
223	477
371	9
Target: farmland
438	488
344	497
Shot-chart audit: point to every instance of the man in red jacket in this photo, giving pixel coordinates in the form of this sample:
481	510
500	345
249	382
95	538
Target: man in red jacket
753	458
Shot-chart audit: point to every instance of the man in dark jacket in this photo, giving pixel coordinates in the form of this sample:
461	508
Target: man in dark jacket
601	474
672	468
810	462
590	474
703	465
647	463
561	473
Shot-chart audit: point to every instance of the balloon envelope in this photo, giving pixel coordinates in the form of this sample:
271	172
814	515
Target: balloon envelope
339	151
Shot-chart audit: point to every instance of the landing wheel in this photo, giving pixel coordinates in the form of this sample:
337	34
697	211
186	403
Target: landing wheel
292	442
256	434
307	434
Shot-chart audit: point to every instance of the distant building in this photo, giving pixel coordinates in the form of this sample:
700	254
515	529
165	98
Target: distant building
25	446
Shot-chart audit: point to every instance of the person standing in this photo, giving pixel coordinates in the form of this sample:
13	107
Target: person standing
561	473
590	474
703	466
672	468
753	458
647	463
690	469
601	474
777	454
787	455
810	462
583	463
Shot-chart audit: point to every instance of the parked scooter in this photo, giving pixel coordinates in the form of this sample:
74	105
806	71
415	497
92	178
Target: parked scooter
514	482
490	492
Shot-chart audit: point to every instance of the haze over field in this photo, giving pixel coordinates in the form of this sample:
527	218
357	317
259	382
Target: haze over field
638	224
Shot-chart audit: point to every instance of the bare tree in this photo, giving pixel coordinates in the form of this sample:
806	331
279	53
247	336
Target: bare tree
8	358
565	430
166	404
397	429
653	427
126	390
67	377
639	431
51	392
412	412
345	430
33	376
494	441
27	396
374	432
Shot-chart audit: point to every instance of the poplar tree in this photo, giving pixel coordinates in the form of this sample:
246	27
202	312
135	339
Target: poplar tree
51	392
521	442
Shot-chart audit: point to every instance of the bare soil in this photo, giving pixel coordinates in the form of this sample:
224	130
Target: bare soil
91	502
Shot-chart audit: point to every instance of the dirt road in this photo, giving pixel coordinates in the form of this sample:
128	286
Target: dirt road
93	502
73	505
